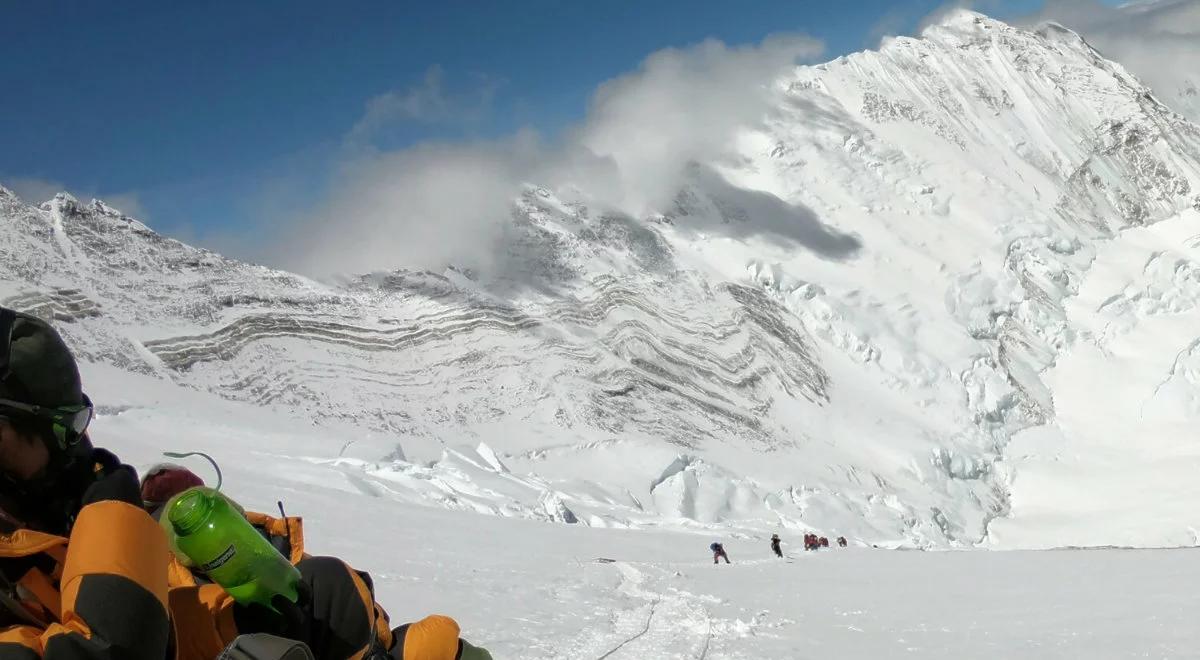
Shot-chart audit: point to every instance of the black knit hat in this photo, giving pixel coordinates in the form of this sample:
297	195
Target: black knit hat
36	367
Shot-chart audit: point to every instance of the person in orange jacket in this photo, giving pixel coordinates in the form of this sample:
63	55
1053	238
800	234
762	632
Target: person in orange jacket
346	596
87	573
83	569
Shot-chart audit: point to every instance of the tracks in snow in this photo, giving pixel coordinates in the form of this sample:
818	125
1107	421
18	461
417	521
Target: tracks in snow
666	624
645	629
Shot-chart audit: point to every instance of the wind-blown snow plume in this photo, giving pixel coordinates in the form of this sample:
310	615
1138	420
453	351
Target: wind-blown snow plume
419	208
682	106
1159	42
437	204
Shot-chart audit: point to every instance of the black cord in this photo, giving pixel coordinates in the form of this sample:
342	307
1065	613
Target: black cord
287	528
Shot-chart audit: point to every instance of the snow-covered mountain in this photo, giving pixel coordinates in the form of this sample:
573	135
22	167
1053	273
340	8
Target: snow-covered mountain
947	295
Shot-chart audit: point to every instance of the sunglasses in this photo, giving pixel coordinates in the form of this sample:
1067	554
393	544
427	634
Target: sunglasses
68	422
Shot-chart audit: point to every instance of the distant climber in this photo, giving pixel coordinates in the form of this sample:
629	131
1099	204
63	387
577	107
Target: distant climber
718	551
775	547
811	542
841	541
824	542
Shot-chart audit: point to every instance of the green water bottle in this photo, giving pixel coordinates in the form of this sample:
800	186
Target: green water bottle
218	541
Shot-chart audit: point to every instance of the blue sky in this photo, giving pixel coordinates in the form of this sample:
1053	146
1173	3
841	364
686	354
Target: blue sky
207	116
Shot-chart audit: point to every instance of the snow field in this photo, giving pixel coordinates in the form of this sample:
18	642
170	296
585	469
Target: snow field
528	589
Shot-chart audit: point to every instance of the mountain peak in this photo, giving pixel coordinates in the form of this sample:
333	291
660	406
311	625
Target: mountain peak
1059	33
961	16
962	21
932	234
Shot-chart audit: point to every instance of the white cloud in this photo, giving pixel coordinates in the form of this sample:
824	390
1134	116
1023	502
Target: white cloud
433	205
683	105
942	13
33	190
1159	42
890	24
428	102
949	8
423	207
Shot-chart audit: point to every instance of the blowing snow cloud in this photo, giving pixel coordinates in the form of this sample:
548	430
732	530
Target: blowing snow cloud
438	204
1159	42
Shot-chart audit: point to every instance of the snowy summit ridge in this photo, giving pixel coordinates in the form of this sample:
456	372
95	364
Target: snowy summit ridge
946	294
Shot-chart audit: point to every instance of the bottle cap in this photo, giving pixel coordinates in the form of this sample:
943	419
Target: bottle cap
189	510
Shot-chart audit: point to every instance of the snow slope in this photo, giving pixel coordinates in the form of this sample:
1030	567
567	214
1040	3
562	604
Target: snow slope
535	590
904	311
1119	466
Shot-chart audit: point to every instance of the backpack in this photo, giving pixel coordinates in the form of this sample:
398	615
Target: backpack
265	647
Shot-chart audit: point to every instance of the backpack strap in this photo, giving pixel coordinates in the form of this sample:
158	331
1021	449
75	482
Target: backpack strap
8	319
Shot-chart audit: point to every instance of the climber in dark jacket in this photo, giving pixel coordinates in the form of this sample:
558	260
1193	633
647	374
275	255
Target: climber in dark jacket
83	568
775	547
86	573
718	551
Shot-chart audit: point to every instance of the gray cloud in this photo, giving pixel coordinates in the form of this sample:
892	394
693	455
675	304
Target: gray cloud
33	190
792	223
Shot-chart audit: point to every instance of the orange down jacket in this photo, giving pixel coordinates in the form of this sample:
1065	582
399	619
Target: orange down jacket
99	595
113	591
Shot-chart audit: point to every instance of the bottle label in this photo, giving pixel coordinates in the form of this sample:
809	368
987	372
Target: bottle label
220	561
